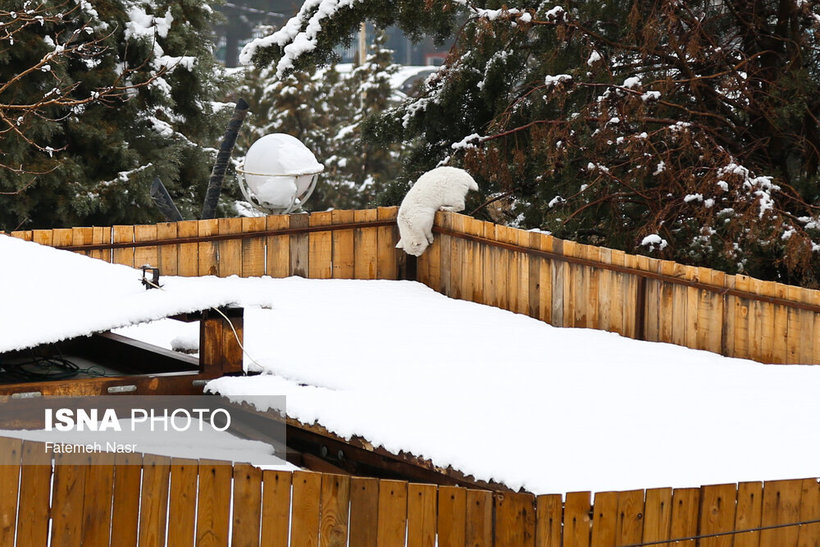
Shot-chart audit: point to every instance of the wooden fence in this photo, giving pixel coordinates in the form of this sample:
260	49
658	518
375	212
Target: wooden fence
561	282
573	285
332	244
130	499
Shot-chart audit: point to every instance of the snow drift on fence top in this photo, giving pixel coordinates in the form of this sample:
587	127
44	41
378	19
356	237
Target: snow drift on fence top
502	396
48	295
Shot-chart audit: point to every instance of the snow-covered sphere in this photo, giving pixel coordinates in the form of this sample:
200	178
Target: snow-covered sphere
280	171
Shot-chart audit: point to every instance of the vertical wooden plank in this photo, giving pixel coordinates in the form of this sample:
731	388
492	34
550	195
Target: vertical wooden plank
320	247
67	499
748	513
717	514
299	246
793	327
99	489
629	528
514	520
781	505
452	516
558	269
619	300
714	323
606	280
182	502
657	515
253	248
680	307
247	505
506	269
25	235
146	255
387	256
101	235
704	309
125	509
667	307
630	292
523	273
278	247
470	262
305	508
761	328
275	508
685	505
125	255
168	254
364	511
335	502
154	499
502	269
490	265
591	303
477	259
479	518
445	256
692	304
82	236
604	519
61	237
10	455
742	317
432	256
342	245
652	304
365	242
35	485
727	346
781	334
230	250
188	258
581	287
208	251
806	329
392	513
43	237
809	534
534	275
421	515
576	519
549	515
457	246
213	504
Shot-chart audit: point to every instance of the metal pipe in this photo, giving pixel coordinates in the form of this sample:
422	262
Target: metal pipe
222	158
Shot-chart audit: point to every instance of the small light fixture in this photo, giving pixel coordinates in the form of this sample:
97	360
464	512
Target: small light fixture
279	174
152	283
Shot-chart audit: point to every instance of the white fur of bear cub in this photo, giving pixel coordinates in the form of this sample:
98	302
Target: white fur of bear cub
442	188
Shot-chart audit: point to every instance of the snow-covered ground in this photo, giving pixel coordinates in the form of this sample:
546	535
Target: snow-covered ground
502	396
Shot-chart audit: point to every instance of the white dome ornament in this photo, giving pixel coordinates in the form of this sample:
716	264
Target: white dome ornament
279	174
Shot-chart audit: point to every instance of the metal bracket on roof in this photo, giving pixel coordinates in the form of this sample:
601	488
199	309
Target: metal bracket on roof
153	283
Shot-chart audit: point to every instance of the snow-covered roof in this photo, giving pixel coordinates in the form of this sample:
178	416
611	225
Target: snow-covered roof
48	295
503	396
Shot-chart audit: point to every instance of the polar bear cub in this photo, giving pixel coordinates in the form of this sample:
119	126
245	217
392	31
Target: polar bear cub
442	188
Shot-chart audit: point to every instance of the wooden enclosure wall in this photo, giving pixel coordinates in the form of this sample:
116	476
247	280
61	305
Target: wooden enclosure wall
561	282
333	244
151	500
573	285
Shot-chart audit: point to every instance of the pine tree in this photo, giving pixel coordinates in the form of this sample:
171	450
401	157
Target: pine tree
685	130
136	82
326	109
